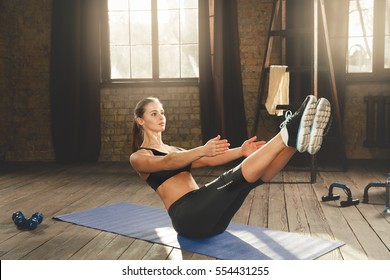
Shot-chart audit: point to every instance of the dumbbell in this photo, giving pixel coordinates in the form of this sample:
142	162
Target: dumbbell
22	223
38	216
19	220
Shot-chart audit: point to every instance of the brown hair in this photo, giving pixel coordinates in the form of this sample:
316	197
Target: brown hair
138	134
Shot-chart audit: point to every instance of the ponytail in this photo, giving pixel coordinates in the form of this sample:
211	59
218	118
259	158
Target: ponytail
138	136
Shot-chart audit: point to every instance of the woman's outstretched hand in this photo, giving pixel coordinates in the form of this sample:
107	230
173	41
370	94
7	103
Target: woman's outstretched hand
250	146
216	146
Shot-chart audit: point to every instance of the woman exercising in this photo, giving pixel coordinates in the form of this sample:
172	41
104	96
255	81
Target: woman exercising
205	211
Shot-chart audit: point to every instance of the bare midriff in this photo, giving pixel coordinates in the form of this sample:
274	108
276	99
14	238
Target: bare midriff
175	187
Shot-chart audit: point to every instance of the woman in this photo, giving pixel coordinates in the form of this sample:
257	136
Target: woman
206	211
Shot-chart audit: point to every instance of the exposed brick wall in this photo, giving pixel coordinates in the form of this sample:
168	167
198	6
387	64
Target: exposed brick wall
253	19
5	81
25	80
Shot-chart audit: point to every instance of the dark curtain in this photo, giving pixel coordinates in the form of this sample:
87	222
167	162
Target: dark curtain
300	46
221	94
337	18
75	80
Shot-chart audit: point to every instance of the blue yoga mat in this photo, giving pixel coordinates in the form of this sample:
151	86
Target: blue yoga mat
238	242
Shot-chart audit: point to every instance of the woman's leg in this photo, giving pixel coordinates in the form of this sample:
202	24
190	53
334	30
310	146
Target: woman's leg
267	161
294	135
278	164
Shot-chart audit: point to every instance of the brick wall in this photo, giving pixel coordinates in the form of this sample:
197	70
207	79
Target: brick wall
24	68
5	82
253	19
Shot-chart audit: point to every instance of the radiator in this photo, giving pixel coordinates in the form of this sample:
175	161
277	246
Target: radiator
378	122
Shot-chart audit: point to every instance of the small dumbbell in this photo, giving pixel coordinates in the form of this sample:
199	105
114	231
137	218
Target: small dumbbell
22	223
19	219
38	216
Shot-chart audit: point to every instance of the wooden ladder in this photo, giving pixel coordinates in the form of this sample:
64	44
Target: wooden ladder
278	28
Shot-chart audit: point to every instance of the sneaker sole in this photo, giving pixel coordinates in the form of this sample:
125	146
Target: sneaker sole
320	122
303	136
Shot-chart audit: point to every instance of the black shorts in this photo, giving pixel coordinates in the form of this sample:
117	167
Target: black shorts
209	210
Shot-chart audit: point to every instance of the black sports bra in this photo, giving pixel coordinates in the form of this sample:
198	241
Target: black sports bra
155	179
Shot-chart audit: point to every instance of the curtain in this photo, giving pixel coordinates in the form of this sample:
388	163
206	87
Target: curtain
300	47
221	94
75	80
337	18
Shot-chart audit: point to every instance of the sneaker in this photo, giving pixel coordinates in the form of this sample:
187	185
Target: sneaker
298	124
320	125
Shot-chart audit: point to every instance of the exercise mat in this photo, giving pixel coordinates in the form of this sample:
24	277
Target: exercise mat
238	242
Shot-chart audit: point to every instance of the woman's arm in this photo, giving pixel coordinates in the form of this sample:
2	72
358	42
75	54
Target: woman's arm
246	149
144	162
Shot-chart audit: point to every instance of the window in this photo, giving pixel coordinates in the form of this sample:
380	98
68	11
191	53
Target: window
368	36
387	35
153	39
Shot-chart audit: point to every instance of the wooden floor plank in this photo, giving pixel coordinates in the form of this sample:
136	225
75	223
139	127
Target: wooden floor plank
277	216
25	173
137	250
158	252
64	245
177	254
242	215
93	248
259	210
316	219
115	248
296	216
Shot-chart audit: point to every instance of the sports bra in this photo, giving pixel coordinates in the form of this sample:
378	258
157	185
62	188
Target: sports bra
155	179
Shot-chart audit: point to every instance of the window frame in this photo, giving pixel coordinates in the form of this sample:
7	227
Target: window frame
379	72
154	81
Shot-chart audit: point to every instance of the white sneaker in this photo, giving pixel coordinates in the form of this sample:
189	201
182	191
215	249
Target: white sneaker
320	122
298	125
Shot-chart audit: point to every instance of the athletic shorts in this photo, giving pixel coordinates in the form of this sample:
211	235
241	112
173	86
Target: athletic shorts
208	210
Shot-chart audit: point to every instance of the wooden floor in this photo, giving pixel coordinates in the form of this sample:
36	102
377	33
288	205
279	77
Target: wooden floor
293	206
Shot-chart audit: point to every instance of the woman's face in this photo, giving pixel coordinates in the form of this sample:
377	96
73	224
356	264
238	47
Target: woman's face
153	118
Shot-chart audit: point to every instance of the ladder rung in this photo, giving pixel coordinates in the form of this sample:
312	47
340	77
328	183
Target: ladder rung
299	69
278	32
289	32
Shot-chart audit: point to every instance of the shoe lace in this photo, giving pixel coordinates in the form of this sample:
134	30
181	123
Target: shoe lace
287	116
